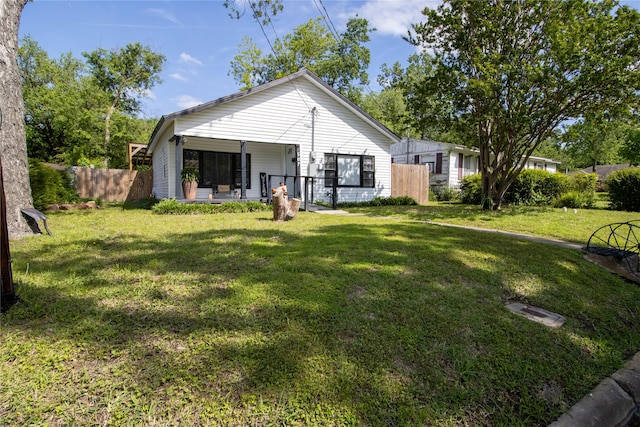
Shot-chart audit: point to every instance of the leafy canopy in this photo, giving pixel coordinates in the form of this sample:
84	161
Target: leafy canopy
340	61
125	75
514	70
65	112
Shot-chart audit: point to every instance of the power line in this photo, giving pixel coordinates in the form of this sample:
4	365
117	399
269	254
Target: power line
275	55
327	19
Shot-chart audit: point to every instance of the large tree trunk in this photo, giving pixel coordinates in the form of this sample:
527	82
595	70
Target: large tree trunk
487	175
13	146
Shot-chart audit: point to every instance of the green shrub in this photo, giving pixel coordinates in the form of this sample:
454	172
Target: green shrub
174	207
576	199
624	190
583	182
50	186
471	190
446	194
536	187
381	201
580	193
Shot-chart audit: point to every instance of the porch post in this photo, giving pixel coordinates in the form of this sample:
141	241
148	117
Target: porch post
243	169
296	182
179	142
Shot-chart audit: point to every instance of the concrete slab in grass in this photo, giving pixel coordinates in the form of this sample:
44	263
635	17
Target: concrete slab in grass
536	314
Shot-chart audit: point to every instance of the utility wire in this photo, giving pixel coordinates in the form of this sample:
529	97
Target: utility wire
327	19
274	52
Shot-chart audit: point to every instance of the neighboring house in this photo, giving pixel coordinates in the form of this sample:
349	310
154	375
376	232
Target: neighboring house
449	163
603	171
296	129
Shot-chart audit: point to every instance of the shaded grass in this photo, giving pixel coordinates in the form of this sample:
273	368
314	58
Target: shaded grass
130	318
536	221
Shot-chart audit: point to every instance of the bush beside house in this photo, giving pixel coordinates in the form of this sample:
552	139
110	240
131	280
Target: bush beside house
624	189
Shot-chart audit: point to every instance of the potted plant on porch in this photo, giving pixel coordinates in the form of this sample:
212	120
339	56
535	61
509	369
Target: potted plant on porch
190	176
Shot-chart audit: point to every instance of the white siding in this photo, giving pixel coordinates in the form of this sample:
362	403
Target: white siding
275	120
163	166
540	163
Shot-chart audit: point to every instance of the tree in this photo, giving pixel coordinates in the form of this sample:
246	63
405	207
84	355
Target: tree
13	149
630	149
594	141
340	61
64	112
514	70
125	74
428	114
389	108
63	106
261	10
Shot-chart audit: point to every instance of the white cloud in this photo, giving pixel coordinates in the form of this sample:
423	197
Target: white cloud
394	17
188	59
178	76
149	94
187	101
164	14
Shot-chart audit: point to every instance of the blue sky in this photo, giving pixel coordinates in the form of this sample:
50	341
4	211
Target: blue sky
199	39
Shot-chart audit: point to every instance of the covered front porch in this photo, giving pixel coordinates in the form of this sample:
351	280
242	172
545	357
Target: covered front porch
240	170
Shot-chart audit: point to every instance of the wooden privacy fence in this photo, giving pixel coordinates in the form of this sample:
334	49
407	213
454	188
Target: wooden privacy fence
411	181
113	185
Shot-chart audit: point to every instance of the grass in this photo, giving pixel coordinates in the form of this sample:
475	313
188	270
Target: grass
546	222
131	318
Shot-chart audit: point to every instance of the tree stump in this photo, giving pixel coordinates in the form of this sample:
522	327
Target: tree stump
283	209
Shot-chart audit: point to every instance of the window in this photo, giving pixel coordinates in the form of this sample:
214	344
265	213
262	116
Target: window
217	168
431	166
438	162
350	170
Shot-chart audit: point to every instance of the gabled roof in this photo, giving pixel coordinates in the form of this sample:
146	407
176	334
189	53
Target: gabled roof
306	74
603	171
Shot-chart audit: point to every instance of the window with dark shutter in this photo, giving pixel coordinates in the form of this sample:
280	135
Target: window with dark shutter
330	164
368	171
438	162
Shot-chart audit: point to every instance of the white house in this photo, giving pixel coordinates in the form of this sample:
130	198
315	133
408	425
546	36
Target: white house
296	130
449	163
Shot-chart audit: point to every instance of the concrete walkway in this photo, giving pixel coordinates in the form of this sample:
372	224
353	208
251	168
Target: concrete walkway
615	402
568	245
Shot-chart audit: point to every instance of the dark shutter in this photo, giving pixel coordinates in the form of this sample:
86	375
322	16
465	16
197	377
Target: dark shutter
416	159
438	162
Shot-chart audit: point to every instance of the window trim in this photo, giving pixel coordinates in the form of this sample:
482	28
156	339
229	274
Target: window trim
366	170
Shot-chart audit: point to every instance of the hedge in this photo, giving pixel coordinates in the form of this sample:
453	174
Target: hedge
624	189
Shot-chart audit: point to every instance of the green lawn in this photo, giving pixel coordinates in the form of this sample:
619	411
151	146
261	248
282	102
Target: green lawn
130	318
547	222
